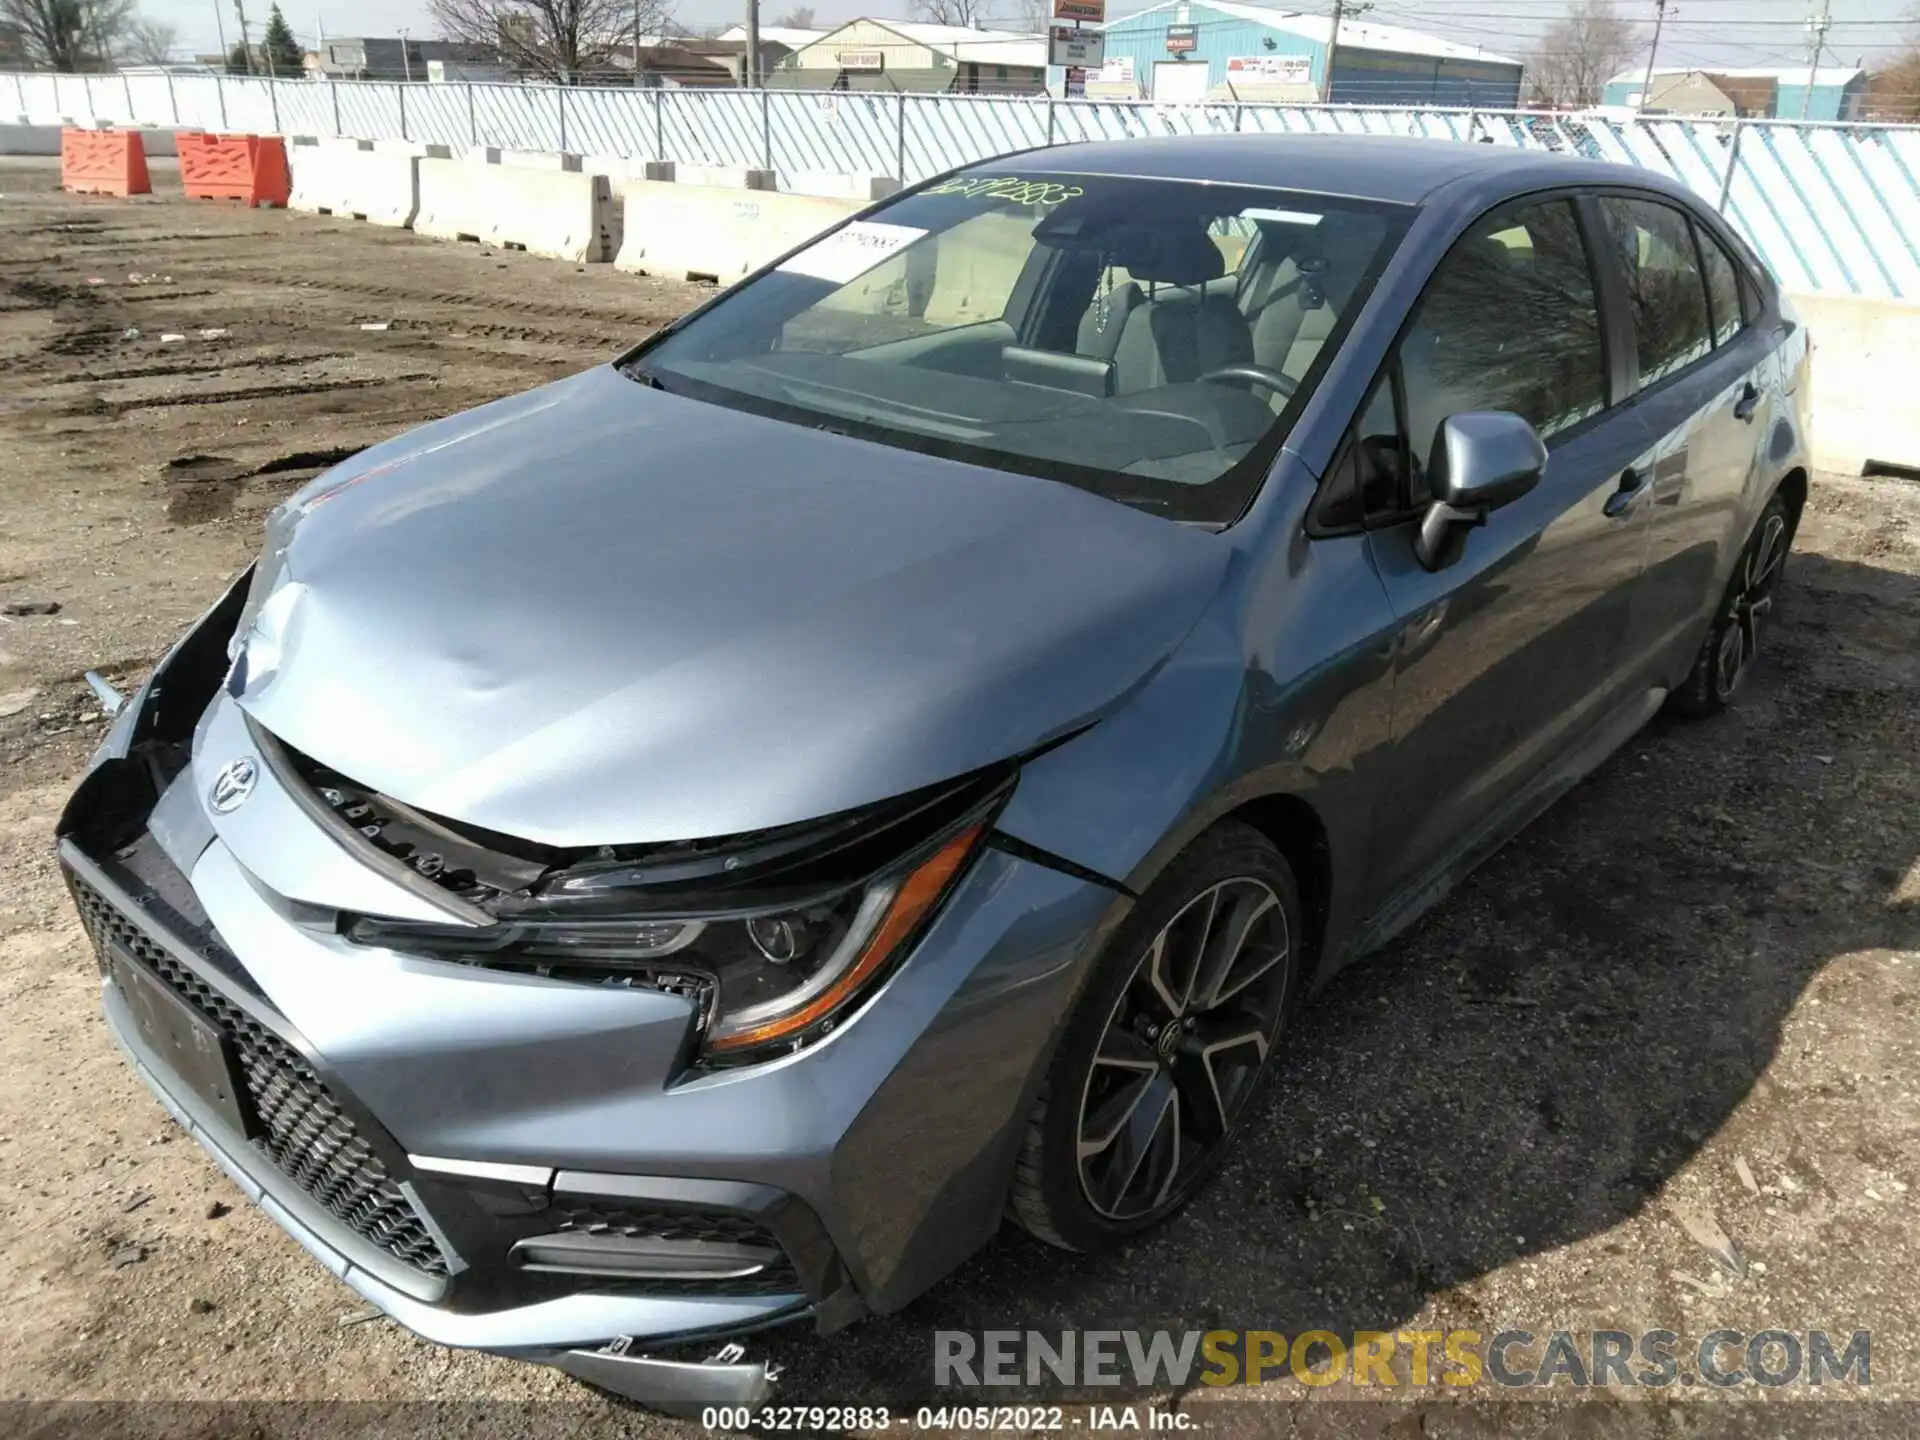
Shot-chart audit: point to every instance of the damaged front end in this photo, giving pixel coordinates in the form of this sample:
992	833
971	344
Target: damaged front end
775	937
727	952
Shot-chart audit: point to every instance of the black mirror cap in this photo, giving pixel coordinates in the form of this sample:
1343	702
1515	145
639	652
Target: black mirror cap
1483	459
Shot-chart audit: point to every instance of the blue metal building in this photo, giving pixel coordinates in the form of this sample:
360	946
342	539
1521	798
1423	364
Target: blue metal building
1222	49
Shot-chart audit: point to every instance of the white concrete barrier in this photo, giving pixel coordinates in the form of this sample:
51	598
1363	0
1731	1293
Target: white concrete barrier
359	178
25	139
725	177
863	186
317	164
524	159
1865	407
692	232
565	215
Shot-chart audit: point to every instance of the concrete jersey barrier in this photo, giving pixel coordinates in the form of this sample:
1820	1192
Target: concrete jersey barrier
565	215
359	178
1865	410
693	232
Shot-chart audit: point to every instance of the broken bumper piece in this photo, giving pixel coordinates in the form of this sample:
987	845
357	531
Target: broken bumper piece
677	1387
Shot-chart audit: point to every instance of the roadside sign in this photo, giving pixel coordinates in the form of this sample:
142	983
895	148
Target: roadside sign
1274	69
1086	49
1094	12
1182	39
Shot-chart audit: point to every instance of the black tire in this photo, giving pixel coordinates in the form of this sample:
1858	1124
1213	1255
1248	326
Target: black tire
1744	614
1124	1019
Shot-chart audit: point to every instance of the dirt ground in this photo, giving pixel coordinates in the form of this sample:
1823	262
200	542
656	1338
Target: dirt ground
1676	1017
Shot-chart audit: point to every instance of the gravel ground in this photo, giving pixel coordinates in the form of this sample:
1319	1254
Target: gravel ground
1674	1018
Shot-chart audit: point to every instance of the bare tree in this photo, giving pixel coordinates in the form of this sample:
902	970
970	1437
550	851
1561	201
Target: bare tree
1893	89
800	17
557	39
969	13
150	42
69	35
1580	52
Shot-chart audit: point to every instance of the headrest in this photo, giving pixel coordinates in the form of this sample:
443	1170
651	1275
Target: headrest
1168	255
1165	254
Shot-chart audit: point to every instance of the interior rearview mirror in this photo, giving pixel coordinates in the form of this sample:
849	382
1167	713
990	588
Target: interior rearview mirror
1480	460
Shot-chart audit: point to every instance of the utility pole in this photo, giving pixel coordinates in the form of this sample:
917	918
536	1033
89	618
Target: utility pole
406	60
636	43
751	69
1646	85
220	27
1817	27
1341	9
246	48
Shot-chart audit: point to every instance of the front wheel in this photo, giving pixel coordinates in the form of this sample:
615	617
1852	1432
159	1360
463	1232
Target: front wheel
1167	1046
1745	614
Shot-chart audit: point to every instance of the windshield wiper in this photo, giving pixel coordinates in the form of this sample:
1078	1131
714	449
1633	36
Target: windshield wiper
645	377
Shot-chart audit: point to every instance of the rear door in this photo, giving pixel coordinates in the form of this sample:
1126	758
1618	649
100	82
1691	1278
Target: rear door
1703	402
1509	656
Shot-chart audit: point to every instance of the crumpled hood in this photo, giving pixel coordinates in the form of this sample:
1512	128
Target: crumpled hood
599	614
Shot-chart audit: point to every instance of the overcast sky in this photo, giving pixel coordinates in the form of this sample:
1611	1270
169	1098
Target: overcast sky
1722	32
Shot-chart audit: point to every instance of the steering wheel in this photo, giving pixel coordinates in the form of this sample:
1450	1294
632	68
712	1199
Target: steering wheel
1262	375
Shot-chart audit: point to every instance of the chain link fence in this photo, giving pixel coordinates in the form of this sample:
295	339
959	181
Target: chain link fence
1832	208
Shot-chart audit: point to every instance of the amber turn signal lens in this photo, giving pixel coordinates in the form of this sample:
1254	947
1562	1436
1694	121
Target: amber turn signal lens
916	898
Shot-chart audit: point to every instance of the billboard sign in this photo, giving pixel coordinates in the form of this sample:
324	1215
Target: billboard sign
1085	49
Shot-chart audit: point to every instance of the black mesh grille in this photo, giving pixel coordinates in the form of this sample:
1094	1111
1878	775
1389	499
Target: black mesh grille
305	1133
778	1278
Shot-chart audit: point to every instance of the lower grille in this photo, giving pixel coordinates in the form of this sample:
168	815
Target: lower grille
777	1278
305	1133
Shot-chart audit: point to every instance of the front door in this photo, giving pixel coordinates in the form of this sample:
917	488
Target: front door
1508	657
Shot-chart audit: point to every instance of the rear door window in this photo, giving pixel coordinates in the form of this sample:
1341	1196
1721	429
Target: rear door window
1666	292
1724	293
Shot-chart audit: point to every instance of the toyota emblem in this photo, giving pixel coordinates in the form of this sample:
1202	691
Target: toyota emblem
233	785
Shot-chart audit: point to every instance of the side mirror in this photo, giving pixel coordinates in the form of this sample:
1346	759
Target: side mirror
1480	460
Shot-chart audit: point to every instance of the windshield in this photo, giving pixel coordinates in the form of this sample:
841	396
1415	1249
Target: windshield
1150	340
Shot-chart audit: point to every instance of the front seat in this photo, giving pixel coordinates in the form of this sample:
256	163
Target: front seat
1296	301
1173	331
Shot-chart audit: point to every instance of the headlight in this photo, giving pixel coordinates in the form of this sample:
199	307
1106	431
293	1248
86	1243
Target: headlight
769	976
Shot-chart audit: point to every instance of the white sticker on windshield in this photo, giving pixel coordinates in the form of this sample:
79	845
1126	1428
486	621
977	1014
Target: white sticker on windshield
850	252
1284	217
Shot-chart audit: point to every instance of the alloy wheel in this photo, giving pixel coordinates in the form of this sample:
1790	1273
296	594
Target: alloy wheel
1749	604
1183	1048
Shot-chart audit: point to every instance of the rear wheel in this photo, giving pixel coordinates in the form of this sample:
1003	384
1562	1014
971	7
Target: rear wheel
1744	616
1167	1047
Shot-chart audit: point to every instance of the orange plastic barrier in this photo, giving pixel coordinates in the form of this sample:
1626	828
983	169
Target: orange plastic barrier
252	168
103	162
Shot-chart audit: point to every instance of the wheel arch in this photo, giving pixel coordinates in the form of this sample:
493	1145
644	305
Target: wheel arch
1294	828
1793	487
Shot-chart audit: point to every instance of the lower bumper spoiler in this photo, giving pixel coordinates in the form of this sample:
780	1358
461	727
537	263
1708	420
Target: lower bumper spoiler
674	1387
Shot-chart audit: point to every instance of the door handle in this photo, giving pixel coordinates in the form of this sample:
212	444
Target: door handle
1632	485
1748	402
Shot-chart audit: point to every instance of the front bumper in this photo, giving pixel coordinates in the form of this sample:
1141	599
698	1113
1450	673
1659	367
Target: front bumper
410	1122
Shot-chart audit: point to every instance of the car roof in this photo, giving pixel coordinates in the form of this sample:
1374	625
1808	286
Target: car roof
1402	169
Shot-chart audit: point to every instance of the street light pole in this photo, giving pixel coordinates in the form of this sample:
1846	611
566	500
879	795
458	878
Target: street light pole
246	49
1817	27
1341	9
1646	85
406	59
